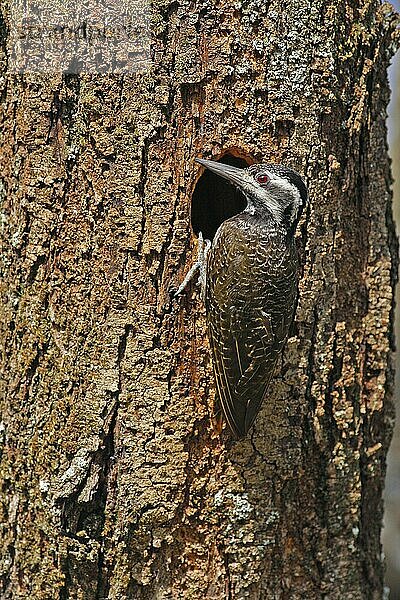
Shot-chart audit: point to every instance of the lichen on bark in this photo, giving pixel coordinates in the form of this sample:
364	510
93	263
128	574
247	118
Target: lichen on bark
113	482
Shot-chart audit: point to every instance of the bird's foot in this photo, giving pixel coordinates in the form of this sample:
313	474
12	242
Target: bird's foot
217	420
200	265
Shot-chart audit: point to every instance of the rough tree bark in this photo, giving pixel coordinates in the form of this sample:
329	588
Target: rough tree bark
113	482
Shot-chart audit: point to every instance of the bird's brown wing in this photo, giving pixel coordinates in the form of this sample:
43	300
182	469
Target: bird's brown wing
245	338
245	351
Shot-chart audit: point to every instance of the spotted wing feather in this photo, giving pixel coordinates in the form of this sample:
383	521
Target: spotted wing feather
250	297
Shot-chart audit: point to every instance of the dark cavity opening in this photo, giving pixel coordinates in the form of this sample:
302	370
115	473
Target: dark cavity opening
214	200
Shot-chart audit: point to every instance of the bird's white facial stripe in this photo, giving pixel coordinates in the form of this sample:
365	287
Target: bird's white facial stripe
276	196
279	194
287	188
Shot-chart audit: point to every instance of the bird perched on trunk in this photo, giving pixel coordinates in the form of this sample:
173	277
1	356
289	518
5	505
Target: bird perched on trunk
250	279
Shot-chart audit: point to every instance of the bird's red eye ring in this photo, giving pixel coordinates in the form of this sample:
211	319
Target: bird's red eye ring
262	178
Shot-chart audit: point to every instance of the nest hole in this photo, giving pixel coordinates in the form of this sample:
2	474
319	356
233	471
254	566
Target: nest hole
214	199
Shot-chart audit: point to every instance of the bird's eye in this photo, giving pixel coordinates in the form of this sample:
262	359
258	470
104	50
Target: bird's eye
262	178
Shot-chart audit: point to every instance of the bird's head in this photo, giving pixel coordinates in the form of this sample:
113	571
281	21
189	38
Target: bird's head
268	188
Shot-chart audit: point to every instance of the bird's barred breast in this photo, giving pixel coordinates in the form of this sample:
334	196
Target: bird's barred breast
252	265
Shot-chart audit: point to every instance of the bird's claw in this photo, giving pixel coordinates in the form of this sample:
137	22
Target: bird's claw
200	265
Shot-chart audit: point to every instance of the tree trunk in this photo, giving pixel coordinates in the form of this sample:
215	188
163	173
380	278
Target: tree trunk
391	529
114	483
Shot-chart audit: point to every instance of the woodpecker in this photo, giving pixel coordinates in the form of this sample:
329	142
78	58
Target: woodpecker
250	279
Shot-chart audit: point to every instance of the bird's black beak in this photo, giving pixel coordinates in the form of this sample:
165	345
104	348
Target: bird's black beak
231	174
